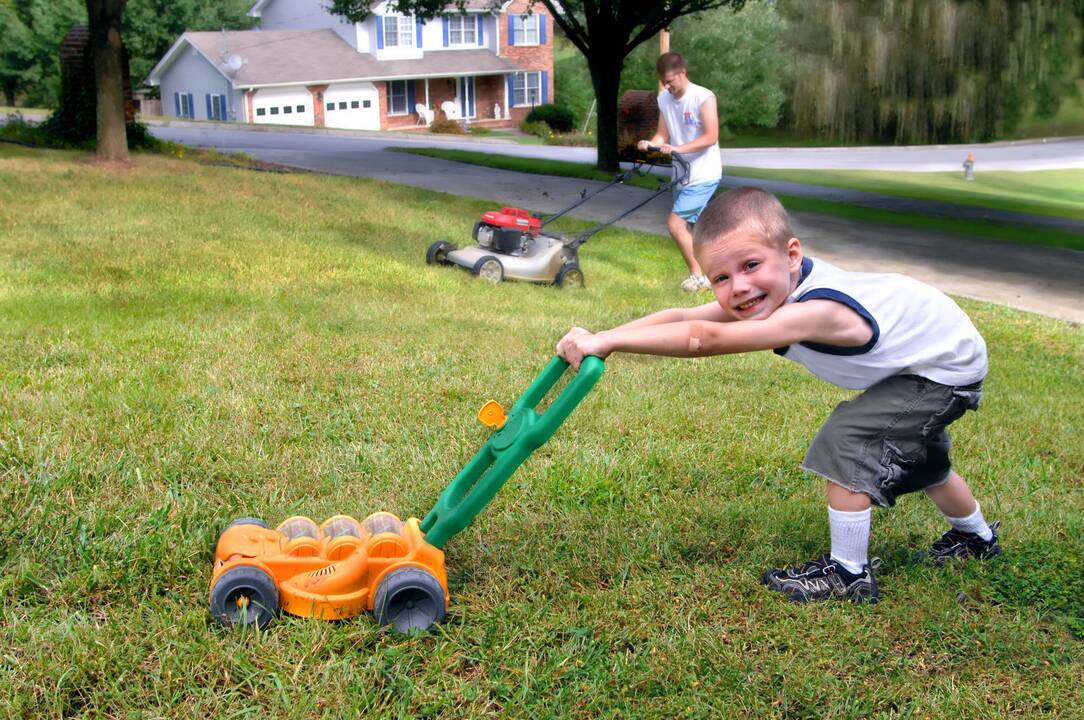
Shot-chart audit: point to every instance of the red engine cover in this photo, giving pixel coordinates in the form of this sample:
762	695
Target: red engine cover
514	218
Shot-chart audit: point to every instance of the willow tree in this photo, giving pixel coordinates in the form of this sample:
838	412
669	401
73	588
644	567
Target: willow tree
605	31
913	71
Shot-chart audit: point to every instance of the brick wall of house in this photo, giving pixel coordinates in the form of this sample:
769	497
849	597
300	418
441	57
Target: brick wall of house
529	57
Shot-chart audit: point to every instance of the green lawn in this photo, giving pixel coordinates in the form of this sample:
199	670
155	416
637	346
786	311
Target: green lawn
184	344
1051	192
1043	192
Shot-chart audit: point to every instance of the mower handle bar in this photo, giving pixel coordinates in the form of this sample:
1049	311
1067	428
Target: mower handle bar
524	431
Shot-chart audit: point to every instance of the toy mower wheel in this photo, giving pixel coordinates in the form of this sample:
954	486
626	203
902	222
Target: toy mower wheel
248	521
437	254
409	599
489	268
244	596
570	276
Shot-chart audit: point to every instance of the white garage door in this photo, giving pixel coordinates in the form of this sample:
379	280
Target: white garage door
283	106
353	105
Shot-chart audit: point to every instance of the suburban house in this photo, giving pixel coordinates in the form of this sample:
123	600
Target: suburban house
304	66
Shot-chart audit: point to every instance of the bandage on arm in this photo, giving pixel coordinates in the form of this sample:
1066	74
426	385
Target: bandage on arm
696	337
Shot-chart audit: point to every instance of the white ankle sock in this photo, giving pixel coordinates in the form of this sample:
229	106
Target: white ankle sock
973	523
850	537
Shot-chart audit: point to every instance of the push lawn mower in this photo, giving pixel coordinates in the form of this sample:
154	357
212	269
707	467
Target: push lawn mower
511	244
392	568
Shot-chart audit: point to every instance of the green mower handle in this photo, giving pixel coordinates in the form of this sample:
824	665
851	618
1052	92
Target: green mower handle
522	433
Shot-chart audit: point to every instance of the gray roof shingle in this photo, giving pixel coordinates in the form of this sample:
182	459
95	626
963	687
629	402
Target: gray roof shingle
281	57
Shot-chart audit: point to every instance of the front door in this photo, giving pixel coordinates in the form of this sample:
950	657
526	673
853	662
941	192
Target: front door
465	90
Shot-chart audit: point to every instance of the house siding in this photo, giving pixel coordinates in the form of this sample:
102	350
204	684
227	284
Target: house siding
299	15
192	73
532	58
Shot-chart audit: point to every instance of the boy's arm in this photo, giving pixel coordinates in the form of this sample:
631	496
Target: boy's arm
708	312
822	321
662	136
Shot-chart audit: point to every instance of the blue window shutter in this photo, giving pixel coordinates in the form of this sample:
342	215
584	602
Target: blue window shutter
177	104
472	94
418	30
511	90
210	113
481	30
545	88
191	107
379	32
410	96
445	23
541	29
511	29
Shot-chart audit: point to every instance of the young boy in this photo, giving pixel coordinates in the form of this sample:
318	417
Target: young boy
914	353
688	124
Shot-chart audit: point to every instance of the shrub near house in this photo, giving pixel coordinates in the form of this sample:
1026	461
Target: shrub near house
305	66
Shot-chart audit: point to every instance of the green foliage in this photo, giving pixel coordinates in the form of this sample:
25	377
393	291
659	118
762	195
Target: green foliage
737	55
911	71
559	118
573	139
30	35
539	129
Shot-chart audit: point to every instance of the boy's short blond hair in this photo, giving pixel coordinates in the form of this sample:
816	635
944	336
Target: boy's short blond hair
745	207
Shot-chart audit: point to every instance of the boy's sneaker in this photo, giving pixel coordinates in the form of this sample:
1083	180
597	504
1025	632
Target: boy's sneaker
962	545
823	579
694	283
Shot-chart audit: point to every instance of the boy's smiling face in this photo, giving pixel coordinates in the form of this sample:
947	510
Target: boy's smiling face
750	276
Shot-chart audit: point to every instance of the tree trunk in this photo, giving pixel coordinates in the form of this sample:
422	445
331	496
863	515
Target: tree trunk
105	45
606	77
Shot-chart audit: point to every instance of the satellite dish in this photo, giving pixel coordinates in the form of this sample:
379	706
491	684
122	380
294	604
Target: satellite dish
234	62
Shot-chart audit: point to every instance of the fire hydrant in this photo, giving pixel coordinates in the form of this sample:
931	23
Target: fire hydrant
969	167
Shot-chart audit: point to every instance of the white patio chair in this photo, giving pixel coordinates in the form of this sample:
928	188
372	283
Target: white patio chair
450	110
425	115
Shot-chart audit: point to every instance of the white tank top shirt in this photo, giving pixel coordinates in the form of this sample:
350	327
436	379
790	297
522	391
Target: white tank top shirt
682	118
917	330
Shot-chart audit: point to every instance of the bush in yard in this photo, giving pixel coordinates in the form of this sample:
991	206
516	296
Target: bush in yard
559	118
537	128
447	127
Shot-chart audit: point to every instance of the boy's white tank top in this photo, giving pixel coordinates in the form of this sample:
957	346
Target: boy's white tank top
917	330
683	123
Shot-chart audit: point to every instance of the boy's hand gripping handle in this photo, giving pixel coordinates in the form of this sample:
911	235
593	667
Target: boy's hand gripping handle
522	433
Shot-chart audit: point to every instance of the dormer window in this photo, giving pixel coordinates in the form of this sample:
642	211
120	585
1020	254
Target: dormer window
462	30
398	31
525	29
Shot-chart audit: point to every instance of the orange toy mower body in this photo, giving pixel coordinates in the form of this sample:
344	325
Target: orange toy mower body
336	570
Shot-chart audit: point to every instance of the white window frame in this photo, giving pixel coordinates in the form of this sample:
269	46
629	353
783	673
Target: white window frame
522	26
468	25
403	35
521	84
186	109
391	98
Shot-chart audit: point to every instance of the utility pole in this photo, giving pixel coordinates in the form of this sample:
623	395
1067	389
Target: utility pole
664	47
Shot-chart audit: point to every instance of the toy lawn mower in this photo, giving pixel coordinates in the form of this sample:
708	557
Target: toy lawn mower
511	243
383	565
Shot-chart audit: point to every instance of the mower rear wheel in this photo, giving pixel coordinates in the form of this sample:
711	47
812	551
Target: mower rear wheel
244	595
409	598
489	268
570	276
437	254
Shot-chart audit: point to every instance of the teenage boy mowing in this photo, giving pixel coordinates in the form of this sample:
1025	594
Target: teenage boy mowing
912	351
688	124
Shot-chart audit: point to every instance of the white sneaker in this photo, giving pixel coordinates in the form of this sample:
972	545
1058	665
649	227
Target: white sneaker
694	283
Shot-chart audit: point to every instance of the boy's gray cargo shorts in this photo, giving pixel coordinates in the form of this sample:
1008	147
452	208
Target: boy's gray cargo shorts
891	439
